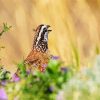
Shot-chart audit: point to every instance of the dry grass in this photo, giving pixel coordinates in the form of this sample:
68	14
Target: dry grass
75	24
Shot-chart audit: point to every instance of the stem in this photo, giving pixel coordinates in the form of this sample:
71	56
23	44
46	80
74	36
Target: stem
1	32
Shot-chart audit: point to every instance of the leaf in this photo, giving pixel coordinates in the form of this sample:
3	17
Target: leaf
5	28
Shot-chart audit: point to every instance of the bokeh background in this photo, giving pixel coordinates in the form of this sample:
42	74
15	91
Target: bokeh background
75	26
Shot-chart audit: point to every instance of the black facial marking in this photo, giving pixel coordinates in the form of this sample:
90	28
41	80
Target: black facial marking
41	38
37	33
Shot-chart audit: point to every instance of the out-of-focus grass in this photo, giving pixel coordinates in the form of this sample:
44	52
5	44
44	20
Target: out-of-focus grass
70	20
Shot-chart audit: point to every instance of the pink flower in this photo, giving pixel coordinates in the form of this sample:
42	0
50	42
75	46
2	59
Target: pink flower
55	57
64	69
3	82
3	95
15	78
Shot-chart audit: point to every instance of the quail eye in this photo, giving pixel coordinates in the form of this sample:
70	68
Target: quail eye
45	30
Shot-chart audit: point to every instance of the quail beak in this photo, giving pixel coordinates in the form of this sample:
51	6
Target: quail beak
49	30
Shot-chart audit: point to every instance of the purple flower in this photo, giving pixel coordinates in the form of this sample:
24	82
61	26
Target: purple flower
15	78
50	89
28	72
54	57
3	95
44	65
64	69
3	82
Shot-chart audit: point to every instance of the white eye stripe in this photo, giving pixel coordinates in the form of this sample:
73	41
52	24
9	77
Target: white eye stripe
41	30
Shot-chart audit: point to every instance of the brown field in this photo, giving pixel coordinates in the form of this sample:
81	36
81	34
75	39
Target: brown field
75	25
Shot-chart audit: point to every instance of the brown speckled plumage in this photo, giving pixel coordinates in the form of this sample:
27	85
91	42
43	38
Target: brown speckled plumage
39	56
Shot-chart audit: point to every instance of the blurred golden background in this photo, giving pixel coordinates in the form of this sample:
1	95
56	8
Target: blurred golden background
75	27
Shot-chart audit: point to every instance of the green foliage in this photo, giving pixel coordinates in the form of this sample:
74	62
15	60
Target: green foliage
22	69
38	85
5	28
4	75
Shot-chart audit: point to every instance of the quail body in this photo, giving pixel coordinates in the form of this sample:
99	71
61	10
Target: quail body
39	56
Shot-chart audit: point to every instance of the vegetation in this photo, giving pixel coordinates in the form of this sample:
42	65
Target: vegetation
76	84
85	85
75	38
26	85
